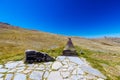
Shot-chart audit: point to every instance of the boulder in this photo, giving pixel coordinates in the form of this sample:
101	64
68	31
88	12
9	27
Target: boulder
35	56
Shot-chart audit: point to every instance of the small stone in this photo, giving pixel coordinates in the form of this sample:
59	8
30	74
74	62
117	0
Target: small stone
19	76
70	68
1	75
63	69
56	65
3	70
36	75
8	76
55	75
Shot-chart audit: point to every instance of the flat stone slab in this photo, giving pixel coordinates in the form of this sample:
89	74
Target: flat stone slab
9	77
56	65
1	66
3	70
20	76
36	75
64	68
1	75
55	75
11	64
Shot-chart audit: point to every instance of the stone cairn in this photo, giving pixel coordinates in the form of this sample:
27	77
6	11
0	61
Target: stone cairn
69	49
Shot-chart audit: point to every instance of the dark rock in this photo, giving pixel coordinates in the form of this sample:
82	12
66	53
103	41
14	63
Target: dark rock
34	56
69	50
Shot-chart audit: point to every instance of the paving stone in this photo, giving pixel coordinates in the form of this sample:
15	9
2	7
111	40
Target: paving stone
63	70
89	77
80	71
36	75
10	65
19	76
8	76
2	70
56	65
12	70
36	65
74	72
74	77
92	71
65	74
1	79
60	58
65	66
47	63
1	75
64	63
30	65
55	75
41	67
76	60
100	79
1	66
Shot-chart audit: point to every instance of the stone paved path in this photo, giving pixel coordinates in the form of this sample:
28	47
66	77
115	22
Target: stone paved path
64	68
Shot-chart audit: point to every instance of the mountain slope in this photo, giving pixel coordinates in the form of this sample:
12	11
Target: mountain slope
102	53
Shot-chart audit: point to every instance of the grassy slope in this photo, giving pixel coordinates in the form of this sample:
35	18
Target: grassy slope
101	53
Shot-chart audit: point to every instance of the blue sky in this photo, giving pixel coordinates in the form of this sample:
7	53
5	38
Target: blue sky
86	18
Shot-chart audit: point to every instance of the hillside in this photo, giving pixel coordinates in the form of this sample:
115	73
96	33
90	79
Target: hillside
102	53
